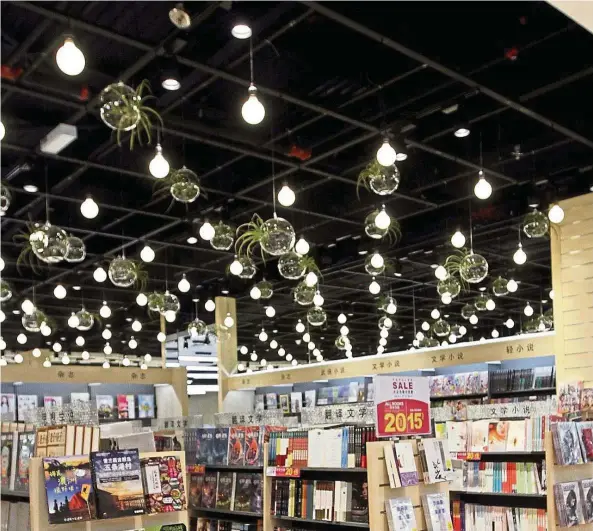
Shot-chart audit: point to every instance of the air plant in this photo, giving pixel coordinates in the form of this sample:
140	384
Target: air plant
470	266
183	185
43	243
249	235
378	179
124	109
125	272
275	236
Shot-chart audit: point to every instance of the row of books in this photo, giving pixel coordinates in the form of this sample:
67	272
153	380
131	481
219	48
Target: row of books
574	502
505	380
230	491
108	407
66	439
17	444
321	448
469	517
467	383
111	485
525	435
573	397
329	501
506	478
214	524
14	516
573	442
401	516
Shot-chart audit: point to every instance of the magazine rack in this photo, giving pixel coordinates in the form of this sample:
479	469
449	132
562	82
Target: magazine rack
380	491
39	512
559	474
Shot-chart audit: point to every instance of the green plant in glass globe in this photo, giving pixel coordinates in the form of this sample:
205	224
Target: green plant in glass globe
223	237
182	184
441	328
450	286
155	301
249	267
266	289
197	328
316	316
536	224
380	179
304	294
76	250
85	319
5	291
499	287
480	302
468	310
470	266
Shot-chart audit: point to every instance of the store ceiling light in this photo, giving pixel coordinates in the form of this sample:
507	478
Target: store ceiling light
253	111
184	285
206	231
241	31
556	213
31	188
69	58
60	292
99	274
482	189
159	167
286	196
462	131
386	155
141	299
59	138
147	253
179	16
458	239
302	246
170	78
192	240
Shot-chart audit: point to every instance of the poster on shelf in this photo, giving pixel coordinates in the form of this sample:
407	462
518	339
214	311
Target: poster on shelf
402	405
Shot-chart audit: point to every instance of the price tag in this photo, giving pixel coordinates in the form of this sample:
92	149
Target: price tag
402	406
195	469
468	456
283	472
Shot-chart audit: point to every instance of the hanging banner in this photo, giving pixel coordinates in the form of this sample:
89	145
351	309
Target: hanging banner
402	405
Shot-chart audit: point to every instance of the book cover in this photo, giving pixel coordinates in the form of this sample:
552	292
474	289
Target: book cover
259	403
406	464
360	501
436	511
587	399
118	483
253	446
570	451
69	488
52	401
472	384
26	404
257	497
104	406
435	384
79	397
146	406
585	430
6	449
497	436
310	398
236	451
587	498
126	407
224	490
448	385
457	435
296	402
243	487
435	460
204	446
164	488
220	446
7	406
271	401
285	404
370	392
516	436
194	498
571	507
480	433
440	430
459	382
26	450
400	514
209	490
204	524
353	391
569	397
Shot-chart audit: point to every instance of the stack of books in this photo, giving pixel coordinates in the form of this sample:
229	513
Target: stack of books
468	516
574	502
66	439
573	442
329	501
321	448
400	514
229	491
508	380
436	512
503	478
17	443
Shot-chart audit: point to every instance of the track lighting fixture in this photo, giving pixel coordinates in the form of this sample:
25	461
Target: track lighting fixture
170	78
69	58
241	31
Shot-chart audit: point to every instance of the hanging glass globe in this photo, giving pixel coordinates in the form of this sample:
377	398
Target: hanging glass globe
536	224
549	314
304	294
499	287
543	324
371	229
76	250
385	323
468	310
266	289
120	107
370	268
85	320
249	268
341	342
122	272
170	303
388	305
480	302
197	328
316	316
450	286
278	236
473	268
441	328
5	291
186	185
530	325
429	342
49	243
385	181
5	199
223	237
289	266
155	301
33	322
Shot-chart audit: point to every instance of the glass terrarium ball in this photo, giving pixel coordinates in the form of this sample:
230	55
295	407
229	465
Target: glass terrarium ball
120	107
430	342
265	289
385	323
122	272
186	186
371	229
499	287
85	320
370	268
304	294
543	323
76	251
49	243
5	291
5	199
289	266
473	268
530	325
385	181
341	342
450	286
249	268
468	310
480	302
441	328
536	224
223	237
155	301
32	323
170	303
197	328
316	316
388	305
550	314
278	236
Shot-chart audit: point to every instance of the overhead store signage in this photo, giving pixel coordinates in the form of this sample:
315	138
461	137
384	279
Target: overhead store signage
402	405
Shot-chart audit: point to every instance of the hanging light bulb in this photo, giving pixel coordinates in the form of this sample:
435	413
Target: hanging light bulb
147	253
301	247
495	333
57	347
80	341
21	338
509	323
286	196
452	338
107	349
45	329
47	363
184	285
236	267
253	356
69	58
311	345
274	344
425	326
28	307
147	358
458	239
528	310
473	319
270	311
483	188
85	355
141	299
228	320
207	231
419	336
2	131
106	334
73	320
300	327
36	352
253	111
294	363
318	299
446	298
243	350
380	349
435	314
307	337
289	357
311	279
384	333
99	274
136	325
490	305
512	286
2	316
441	273
386	154
18	358
520	257
65	359
263	336
125	362
240	367
281	352
88	208
374	287
556	213
344	330
382	219
170	316
255	293
132	343
383	342
342	318
462	330
143	366
105	310
60	292
106	364
161	337
159	167
377	260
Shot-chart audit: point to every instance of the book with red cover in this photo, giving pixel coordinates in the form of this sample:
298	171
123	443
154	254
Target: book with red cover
236	452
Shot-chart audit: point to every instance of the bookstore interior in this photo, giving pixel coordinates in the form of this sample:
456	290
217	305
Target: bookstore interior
200	332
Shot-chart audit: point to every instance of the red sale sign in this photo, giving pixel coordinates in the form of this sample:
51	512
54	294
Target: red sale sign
402	404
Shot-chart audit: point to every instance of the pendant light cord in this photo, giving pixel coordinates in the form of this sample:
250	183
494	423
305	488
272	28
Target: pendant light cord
273	162
251	57
46	196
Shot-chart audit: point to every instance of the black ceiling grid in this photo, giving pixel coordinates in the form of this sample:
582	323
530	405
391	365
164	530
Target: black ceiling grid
333	78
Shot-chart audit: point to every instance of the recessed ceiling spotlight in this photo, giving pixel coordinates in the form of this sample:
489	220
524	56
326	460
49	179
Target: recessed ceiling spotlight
170	78
462	131
76	288
192	239
241	31
31	188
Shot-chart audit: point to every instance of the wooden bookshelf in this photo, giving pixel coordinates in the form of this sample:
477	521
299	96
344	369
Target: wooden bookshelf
39	512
